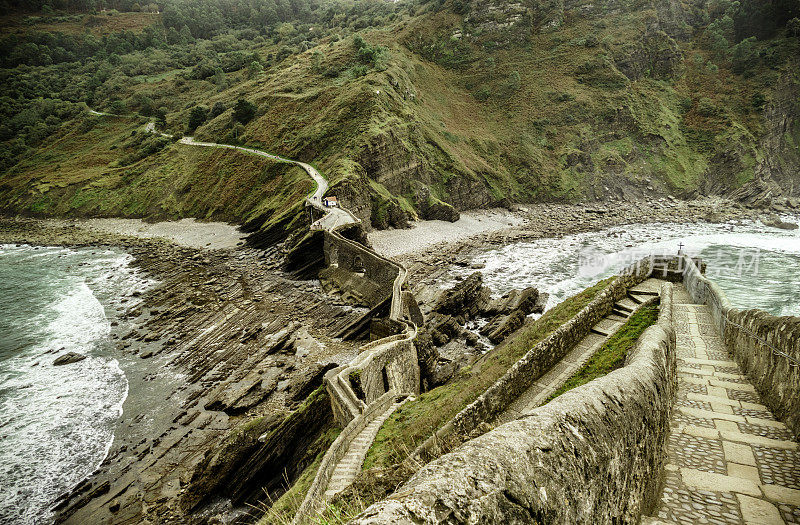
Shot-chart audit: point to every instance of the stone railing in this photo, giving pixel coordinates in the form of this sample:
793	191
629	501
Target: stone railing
384	367
315	496
592	455
396	355
766	347
535	363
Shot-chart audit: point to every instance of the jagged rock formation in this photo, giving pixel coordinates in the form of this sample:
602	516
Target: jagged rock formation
452	308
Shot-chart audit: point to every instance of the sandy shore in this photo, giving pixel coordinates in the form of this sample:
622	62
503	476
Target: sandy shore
424	234
186	232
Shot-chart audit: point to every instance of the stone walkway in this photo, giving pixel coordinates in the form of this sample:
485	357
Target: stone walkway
350	465
729	460
551	381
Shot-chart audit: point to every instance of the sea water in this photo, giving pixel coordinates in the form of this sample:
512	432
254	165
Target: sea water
57	422
756	266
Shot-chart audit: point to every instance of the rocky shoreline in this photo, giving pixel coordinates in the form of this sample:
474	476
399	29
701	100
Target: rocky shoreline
229	338
430	263
211	350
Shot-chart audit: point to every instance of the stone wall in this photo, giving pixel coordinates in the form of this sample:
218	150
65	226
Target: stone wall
392	368
535	363
767	348
315	497
344	254
592	455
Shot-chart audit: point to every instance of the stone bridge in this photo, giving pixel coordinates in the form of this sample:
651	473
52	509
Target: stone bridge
385	373
685	432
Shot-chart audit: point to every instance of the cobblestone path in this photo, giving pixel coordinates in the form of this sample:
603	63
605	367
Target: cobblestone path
729	459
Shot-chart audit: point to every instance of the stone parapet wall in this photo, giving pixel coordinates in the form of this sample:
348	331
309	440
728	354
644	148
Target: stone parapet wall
766	347
535	363
315	497
592	455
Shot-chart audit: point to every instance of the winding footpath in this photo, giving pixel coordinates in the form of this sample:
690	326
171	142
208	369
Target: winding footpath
344	459
333	217
729	461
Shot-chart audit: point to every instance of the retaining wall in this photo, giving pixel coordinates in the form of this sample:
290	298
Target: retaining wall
535	363
766	347
356	258
315	497
592	455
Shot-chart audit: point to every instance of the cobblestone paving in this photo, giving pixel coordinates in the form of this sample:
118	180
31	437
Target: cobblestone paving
729	460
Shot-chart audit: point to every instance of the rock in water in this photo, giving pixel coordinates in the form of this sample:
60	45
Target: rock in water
69	358
466	298
774	221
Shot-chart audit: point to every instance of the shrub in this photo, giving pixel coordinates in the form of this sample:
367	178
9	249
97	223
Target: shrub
758	100
197	116
218	109
244	111
359	71
706	107
117	107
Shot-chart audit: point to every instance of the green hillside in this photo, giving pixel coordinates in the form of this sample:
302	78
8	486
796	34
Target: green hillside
411	109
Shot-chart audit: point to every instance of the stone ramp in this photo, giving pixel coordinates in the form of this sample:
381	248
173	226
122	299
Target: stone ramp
551	381
729	460
350	465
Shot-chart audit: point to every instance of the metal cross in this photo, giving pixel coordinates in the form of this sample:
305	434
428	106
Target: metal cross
680	246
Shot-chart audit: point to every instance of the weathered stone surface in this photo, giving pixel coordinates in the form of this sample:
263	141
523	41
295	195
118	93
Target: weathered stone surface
502	326
431	208
466	298
771	366
774	221
68	358
307	381
220	463
592	455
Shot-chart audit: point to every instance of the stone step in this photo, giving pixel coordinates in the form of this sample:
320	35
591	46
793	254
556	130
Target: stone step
620	305
712	362
737	437
709	373
638	299
639	291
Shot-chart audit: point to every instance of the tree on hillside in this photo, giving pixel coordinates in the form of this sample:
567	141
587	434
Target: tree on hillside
218	109
255	69
197	116
244	111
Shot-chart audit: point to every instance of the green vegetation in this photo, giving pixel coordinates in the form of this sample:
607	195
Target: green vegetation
282	510
416	420
481	106
612	354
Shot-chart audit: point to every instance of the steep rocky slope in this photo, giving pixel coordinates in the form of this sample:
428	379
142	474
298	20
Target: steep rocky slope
445	106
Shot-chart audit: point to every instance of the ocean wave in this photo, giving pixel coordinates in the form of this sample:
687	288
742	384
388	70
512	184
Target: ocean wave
59	428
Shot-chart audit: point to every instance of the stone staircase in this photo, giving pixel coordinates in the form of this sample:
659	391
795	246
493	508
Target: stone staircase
729	460
350	465
551	381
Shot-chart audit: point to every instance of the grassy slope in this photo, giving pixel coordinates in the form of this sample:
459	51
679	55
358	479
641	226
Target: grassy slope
98	25
416	420
612	354
79	174
571	126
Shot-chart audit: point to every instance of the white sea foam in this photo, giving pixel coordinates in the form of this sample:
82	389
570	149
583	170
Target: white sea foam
57	423
563	267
